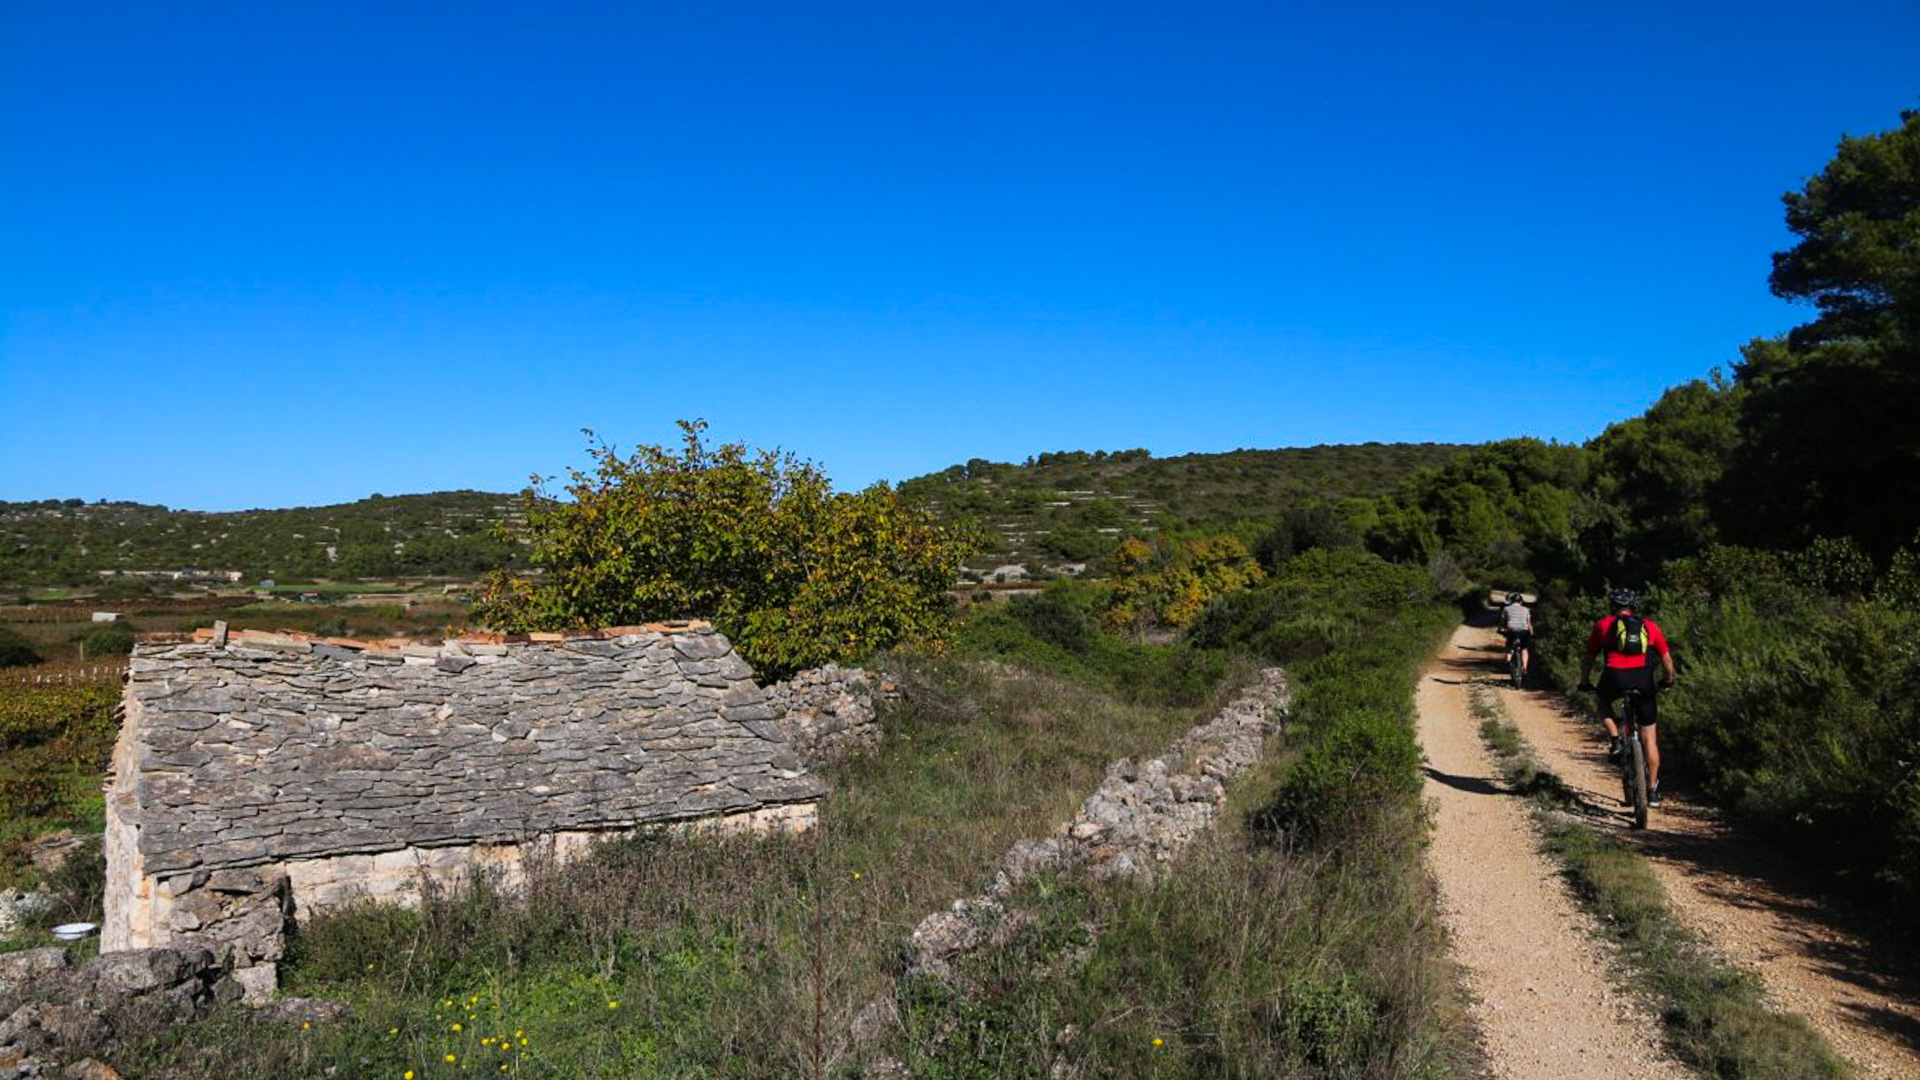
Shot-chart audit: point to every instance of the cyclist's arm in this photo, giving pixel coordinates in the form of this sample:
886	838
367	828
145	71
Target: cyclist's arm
1666	654
1586	662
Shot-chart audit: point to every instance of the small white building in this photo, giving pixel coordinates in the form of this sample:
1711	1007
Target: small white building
106	616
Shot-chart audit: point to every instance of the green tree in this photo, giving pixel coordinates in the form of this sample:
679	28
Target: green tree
1829	444
793	572
1658	471
1857	260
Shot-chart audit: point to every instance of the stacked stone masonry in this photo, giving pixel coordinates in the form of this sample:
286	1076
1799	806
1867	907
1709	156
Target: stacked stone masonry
275	773
828	713
50	1009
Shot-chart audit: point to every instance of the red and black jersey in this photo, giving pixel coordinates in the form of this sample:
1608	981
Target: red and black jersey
1605	638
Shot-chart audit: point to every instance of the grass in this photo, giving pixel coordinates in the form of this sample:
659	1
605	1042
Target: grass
1713	1014
1300	942
727	956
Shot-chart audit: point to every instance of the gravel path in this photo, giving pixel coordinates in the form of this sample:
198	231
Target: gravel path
1543	999
1814	954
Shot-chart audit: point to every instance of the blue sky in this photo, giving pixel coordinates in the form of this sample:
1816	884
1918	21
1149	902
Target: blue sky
282	254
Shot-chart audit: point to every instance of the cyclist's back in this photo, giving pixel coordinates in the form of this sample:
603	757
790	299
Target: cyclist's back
1515	616
1629	641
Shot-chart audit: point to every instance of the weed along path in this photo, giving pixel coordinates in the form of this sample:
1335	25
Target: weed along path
1543	998
1740	894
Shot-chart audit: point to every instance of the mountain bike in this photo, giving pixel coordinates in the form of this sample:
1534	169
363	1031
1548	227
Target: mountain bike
1634	788
1516	647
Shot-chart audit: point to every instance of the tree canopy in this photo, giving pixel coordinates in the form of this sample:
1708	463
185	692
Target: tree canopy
1857	221
793	572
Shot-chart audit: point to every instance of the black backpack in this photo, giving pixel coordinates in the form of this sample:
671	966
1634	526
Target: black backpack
1629	636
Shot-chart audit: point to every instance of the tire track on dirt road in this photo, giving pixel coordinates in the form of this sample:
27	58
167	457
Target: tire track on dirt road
1543	999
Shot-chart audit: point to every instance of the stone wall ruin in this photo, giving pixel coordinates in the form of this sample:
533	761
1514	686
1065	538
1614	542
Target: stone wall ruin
829	713
262	776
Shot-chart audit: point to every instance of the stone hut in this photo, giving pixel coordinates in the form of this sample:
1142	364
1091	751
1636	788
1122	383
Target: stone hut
261	776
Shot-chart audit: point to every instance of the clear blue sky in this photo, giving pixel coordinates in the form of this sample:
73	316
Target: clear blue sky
270	254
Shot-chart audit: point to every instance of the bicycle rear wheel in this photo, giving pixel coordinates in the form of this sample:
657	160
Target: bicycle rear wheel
1635	765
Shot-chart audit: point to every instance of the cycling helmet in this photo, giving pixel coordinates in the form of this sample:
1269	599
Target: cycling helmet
1624	598
1515	598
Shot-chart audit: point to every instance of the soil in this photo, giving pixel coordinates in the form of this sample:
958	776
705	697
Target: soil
1543	999
1815	953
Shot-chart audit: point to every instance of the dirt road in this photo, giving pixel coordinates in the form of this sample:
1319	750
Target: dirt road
1811	951
1543	997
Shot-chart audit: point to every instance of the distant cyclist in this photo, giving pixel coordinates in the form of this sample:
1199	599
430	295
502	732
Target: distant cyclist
1516	625
1627	640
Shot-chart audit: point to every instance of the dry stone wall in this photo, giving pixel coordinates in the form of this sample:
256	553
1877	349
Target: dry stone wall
828	713
50	1009
1137	824
267	774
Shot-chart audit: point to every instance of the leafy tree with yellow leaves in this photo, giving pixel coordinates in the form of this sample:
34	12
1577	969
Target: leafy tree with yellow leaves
795	573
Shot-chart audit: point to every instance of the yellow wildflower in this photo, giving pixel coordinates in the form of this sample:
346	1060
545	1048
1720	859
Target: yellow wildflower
451	1059
1159	1042
613	1004
393	1031
306	1025
456	1027
408	1075
488	1041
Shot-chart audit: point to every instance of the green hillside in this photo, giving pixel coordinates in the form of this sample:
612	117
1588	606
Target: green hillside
70	541
1058	508
1071	507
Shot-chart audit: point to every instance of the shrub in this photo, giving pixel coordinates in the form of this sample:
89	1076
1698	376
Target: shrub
108	639
794	573
1796	706
1042	637
16	651
1058	616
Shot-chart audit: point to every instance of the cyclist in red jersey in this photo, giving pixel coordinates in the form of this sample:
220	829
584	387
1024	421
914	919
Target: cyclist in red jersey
1628	641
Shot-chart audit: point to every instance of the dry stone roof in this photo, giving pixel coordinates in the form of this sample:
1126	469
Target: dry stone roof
265	748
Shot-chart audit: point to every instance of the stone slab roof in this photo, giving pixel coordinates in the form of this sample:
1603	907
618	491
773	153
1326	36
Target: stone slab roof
268	747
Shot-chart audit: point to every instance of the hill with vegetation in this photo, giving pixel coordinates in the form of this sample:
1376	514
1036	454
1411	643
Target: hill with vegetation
71	541
1076	506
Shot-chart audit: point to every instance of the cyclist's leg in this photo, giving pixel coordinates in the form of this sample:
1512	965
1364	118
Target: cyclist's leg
1650	731
1609	693
1526	653
1650	738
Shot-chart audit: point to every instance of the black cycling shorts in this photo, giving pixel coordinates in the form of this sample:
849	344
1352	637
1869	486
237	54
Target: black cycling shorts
1524	637
1616	681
